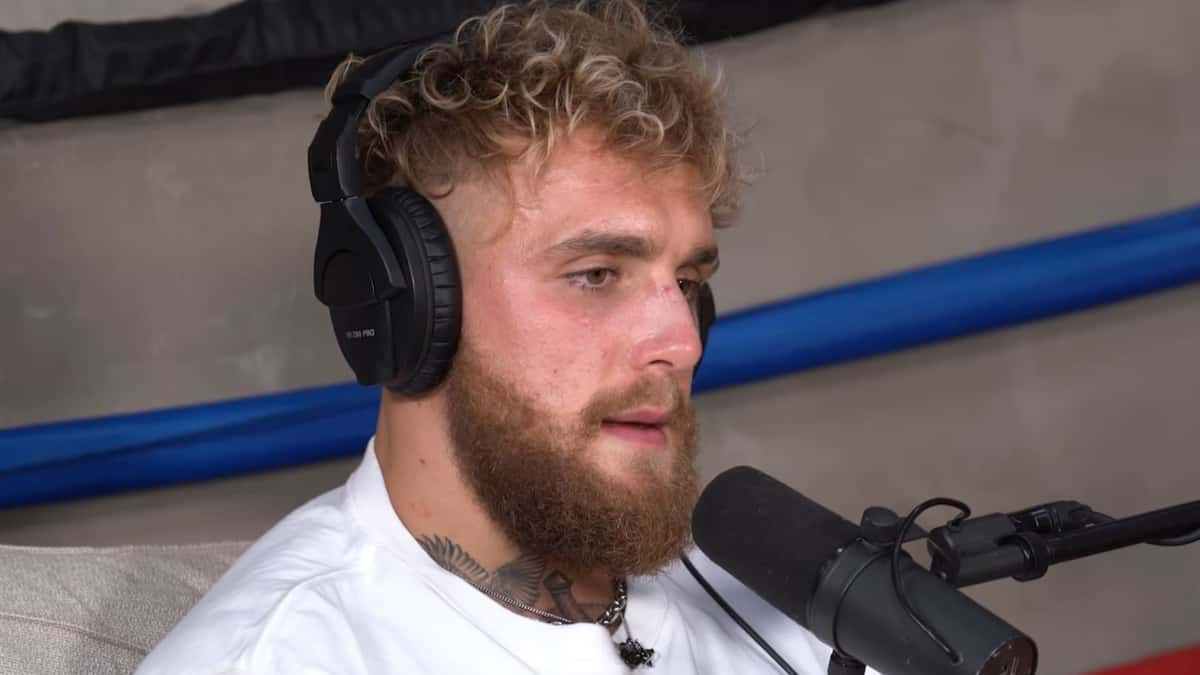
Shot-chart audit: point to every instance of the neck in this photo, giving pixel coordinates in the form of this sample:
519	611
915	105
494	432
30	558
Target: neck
444	515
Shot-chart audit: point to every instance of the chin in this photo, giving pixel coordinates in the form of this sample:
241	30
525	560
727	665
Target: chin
631	466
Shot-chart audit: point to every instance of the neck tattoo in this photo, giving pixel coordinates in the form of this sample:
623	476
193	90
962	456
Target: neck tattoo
632	652
515	584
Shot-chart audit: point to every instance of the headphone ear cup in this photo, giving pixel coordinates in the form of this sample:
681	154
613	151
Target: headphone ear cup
706	315
435	317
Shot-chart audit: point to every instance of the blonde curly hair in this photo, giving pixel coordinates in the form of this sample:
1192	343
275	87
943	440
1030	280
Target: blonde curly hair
536	72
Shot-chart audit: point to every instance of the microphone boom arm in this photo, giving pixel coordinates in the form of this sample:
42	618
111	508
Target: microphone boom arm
1024	544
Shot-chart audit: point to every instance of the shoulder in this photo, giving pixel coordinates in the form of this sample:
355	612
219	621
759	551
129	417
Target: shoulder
290	586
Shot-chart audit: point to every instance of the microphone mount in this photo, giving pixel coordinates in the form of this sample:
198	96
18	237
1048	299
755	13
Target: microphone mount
1021	545
1024	544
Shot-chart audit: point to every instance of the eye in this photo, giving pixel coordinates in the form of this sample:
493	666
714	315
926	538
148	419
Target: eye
690	289
593	280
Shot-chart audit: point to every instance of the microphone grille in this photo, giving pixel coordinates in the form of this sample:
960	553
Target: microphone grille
770	537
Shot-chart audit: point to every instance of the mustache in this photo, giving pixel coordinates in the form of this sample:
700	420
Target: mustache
646	393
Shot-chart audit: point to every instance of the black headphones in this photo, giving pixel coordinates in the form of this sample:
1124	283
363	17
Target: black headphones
384	264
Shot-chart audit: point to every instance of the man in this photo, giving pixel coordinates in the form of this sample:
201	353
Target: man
512	519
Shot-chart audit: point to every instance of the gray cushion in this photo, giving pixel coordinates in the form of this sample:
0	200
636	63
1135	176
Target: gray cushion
98	611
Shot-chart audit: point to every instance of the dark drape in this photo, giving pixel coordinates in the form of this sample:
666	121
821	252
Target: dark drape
261	46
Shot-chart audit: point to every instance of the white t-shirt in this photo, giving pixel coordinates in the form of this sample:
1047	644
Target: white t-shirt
341	587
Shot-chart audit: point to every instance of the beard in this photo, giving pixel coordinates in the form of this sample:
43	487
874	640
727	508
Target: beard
536	475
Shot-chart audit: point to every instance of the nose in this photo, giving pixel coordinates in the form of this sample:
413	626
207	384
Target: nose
667	337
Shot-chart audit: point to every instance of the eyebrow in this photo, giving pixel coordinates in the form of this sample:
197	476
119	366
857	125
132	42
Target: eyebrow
591	242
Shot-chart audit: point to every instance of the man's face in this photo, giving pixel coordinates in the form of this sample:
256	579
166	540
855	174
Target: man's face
569	401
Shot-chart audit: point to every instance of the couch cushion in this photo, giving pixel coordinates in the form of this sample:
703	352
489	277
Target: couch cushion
69	611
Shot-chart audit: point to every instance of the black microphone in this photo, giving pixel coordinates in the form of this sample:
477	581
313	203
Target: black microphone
816	568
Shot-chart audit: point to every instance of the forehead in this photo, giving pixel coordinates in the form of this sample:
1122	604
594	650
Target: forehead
587	189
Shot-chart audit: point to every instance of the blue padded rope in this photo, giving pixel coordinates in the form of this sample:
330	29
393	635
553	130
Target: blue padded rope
84	458
952	299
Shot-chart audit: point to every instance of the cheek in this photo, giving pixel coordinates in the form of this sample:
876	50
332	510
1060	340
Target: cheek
551	342
571	350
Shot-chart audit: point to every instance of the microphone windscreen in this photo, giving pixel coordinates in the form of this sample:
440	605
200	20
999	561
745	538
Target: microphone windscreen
770	537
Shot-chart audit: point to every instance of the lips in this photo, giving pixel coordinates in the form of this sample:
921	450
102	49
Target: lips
643	427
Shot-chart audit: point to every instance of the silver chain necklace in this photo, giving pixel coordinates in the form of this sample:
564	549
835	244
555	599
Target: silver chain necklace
632	652
612	616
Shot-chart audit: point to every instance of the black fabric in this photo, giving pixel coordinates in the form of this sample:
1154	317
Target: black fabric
255	46
263	46
708	20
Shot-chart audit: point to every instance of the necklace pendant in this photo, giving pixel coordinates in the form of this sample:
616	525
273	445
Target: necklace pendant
634	654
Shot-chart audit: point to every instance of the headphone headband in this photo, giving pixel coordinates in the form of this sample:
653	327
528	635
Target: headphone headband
379	71
334	172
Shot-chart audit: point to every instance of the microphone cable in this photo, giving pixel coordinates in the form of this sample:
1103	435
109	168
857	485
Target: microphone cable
712	592
901	594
